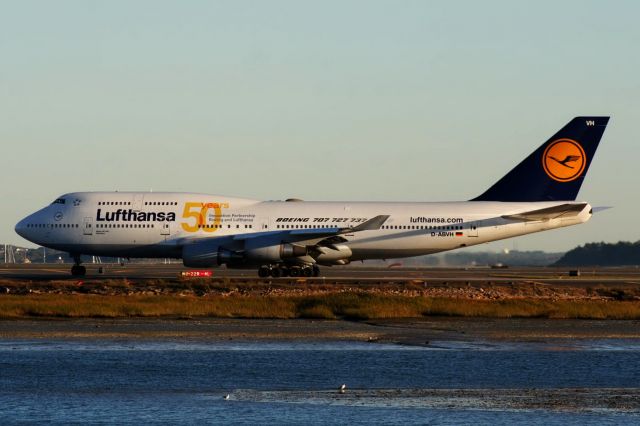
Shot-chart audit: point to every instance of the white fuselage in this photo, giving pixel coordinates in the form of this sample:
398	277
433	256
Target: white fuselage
136	224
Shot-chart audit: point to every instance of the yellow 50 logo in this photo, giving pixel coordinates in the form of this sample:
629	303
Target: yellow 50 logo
197	217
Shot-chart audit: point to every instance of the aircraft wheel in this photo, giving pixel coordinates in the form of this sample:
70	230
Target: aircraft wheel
284	271
294	271
78	271
263	271
307	272
275	272
316	271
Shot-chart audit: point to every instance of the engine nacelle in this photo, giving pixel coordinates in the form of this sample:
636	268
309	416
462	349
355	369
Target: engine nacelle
203	254
334	255
274	253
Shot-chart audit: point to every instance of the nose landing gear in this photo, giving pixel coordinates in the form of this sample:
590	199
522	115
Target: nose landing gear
78	270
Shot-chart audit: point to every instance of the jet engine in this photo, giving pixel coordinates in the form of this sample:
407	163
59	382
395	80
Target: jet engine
334	254
274	253
206	254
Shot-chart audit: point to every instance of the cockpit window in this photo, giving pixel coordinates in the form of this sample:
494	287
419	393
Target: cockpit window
59	201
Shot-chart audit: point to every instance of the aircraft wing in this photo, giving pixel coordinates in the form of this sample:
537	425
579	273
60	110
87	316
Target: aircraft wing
562	210
317	233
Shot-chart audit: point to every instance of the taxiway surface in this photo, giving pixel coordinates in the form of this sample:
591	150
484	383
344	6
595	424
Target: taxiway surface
348	275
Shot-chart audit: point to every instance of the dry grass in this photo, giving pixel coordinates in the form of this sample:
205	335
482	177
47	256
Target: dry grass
536	308
95	306
353	306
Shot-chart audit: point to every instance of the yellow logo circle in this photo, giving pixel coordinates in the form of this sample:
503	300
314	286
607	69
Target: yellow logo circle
564	160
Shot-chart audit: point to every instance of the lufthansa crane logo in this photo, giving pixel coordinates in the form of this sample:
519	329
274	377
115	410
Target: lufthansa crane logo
564	160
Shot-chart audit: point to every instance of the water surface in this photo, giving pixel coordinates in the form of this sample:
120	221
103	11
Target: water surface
170	381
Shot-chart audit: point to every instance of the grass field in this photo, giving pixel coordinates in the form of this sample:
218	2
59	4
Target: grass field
344	305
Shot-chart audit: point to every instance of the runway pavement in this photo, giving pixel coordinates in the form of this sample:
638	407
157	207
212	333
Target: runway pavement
348	275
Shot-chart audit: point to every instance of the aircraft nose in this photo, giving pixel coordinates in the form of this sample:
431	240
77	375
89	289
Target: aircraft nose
21	228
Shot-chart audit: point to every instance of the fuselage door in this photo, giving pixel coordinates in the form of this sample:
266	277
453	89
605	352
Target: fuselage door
472	231
87	228
165	228
136	202
263	224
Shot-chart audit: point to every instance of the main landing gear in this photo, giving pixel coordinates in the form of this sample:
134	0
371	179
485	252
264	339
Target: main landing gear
78	270
280	270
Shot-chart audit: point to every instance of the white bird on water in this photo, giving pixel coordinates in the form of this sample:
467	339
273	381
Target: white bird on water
343	388
226	397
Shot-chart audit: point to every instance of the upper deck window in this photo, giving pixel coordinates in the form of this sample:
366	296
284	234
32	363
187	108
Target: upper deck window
59	201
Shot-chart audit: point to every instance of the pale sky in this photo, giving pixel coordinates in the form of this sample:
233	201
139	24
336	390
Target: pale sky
327	100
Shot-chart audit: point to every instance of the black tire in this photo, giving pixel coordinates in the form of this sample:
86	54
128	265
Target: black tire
78	271
263	272
316	271
284	271
294	272
275	272
307	272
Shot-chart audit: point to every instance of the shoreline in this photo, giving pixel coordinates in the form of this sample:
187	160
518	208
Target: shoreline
406	332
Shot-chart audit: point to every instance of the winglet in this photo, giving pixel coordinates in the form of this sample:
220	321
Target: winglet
370	225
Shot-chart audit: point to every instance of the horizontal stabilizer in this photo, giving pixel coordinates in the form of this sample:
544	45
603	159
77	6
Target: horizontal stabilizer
601	209
548	213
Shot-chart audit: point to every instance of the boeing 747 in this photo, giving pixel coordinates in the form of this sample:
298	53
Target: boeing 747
293	237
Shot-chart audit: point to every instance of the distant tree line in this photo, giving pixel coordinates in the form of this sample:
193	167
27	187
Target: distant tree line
622	253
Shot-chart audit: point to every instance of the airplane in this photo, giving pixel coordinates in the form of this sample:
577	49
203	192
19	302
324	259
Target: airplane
292	237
